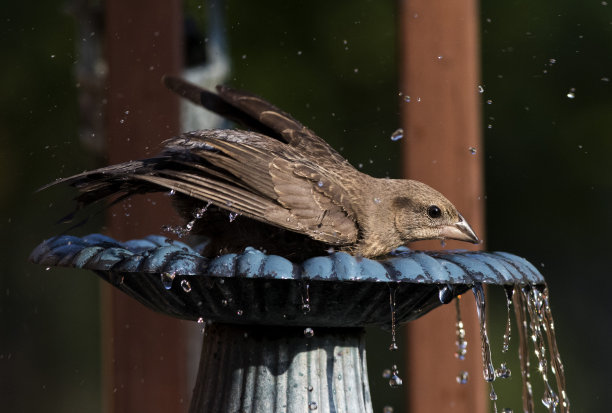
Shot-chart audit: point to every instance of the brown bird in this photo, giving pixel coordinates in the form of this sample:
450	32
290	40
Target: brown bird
293	193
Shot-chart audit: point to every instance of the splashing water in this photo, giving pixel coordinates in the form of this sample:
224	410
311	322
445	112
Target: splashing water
186	229
521	321
395	380
506	343
306	298
462	377
186	286
393	346
397	135
167	278
461	342
488	370
541	326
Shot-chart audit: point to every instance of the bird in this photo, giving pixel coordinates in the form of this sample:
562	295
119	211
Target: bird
274	185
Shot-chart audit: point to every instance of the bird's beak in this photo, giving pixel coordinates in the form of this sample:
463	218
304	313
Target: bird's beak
460	231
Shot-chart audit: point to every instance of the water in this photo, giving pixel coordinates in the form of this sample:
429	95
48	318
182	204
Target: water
461	342
167	278
488	370
535	326
306	298
398	134
462	377
395	380
507	333
521	321
393	346
186	286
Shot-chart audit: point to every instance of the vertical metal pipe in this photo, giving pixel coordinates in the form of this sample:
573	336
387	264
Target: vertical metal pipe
439	48
144	354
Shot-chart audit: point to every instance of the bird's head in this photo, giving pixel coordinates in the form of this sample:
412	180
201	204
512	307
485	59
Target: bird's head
423	213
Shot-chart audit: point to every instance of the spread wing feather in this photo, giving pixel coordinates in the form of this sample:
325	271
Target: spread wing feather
244	172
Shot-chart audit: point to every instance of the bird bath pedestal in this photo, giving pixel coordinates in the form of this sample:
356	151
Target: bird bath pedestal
282	336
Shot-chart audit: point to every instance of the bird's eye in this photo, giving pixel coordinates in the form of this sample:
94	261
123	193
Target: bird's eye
434	211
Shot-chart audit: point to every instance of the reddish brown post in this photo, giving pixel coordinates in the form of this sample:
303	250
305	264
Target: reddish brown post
144	353
439	49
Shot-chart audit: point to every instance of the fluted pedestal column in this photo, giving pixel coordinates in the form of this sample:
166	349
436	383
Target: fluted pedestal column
282	369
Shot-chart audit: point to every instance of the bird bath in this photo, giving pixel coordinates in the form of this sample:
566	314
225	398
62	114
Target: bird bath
282	336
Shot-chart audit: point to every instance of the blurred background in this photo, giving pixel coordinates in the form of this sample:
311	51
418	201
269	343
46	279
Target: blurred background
547	121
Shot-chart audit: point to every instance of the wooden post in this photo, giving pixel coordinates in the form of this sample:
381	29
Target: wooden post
439	48
144	353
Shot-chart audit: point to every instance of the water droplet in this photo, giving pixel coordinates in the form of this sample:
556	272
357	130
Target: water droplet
393	346
233	216
167	278
306	298
395	380
407	99
186	286
552	61
571	94
440	57
47	268
172	192
492	394
506	342
503	372
388	409
462	377
472	150
480	89
489	101
309	388
313	406
308	332
224	302
506	410
460	342
488	370
377	200
200	320
320	184
605	79
386	374
445	294
199	212
239	312
397	135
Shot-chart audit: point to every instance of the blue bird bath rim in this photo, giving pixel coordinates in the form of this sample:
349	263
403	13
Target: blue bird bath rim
338	290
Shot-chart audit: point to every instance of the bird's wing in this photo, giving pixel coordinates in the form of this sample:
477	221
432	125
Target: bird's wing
272	187
242	172
257	114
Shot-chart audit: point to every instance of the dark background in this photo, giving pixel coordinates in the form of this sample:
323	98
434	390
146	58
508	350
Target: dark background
333	66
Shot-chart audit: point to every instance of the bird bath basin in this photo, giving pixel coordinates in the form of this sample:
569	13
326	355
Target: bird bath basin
282	336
